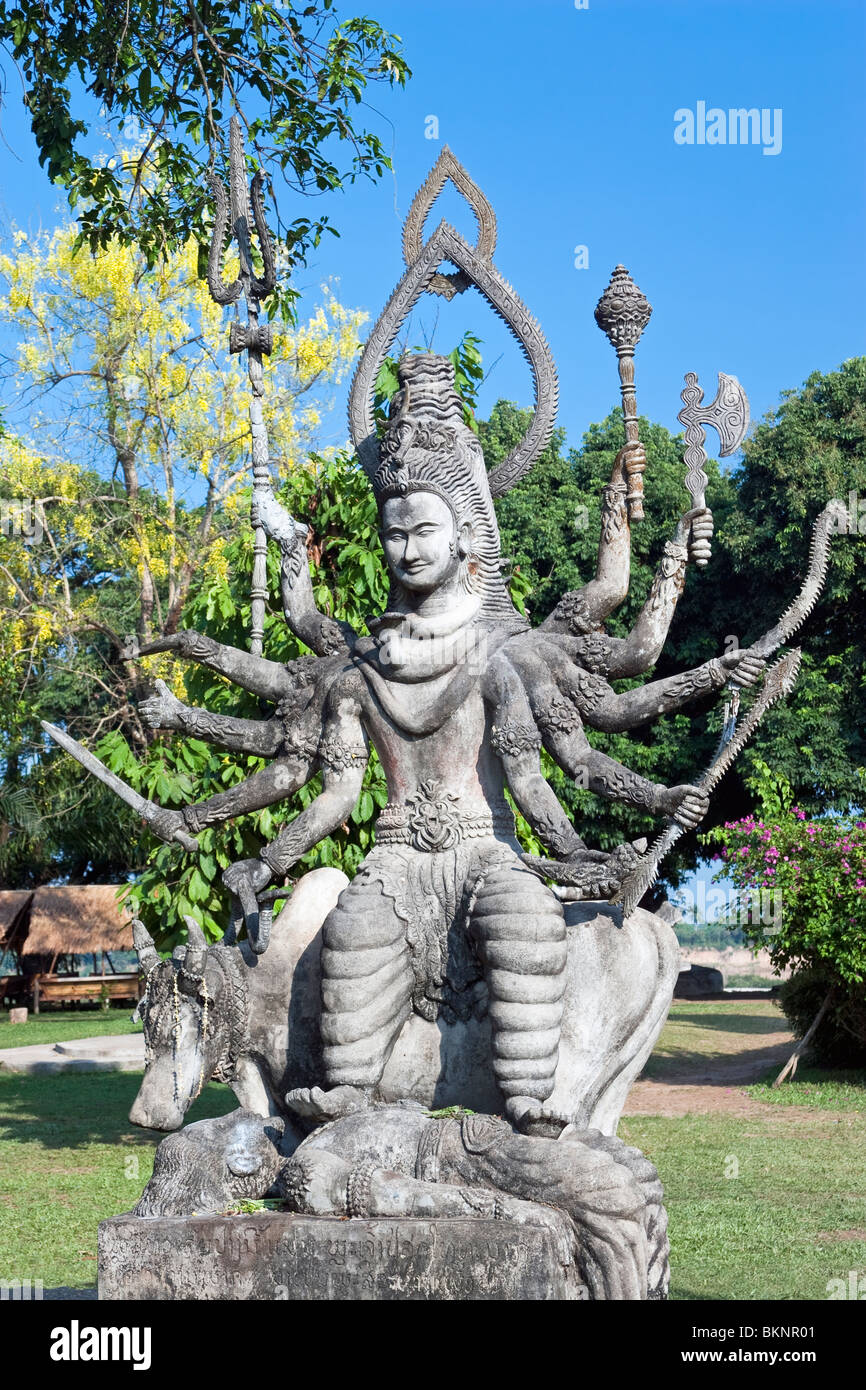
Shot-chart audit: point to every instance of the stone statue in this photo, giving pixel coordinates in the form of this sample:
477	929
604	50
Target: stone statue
454	964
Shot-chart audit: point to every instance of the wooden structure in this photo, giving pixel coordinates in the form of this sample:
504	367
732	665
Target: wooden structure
51	931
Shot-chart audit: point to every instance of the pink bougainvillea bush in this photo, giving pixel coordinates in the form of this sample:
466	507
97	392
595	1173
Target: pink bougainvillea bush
815	871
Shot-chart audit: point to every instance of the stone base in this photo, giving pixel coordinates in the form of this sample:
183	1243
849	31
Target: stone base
275	1255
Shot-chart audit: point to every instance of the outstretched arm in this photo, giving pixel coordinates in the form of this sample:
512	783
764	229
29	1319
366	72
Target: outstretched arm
615	713
254	673
323	635
342	754
261	737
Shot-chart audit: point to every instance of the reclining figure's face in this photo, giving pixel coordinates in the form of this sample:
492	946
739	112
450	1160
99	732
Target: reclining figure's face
419	536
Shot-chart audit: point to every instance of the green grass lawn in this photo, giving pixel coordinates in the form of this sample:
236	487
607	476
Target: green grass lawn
759	1208
700	1031
62	1025
771	1205
69	1158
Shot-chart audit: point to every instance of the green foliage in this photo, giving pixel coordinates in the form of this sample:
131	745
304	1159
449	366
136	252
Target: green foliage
817	869
468	375
812	449
174	72
840	1038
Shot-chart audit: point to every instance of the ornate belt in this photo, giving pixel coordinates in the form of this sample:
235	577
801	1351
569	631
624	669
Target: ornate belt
433	820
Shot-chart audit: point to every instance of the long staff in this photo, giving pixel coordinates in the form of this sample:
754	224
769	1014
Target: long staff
236	211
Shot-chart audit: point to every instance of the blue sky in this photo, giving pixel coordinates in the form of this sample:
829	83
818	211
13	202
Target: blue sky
754	262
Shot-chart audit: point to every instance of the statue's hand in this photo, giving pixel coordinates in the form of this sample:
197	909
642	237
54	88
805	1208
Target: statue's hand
245	879
591	873
162	710
744	667
695	529
631	459
247	873
278	524
165	823
687	804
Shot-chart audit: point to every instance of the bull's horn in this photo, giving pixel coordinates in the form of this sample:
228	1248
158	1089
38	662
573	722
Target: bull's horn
148	956
196	948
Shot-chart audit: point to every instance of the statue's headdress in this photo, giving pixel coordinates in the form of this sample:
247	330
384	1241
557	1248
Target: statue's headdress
427	444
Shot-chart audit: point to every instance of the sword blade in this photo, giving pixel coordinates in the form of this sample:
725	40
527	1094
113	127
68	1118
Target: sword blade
148	810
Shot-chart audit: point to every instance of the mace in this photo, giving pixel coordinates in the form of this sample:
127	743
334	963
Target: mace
623	313
236	211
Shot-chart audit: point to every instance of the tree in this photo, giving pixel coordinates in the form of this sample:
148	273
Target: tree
815	870
126	368
812	449
172	71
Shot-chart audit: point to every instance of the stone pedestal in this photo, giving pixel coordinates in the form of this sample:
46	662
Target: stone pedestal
274	1255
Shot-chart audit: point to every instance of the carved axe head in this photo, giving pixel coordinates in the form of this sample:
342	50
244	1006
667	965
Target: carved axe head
728	413
729	416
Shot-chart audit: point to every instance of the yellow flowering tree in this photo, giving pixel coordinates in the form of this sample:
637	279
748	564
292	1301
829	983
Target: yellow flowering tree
124	474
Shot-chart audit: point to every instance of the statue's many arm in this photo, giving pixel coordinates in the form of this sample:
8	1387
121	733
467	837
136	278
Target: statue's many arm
342	755
528	710
584	610
324	635
269	679
603	708
562	697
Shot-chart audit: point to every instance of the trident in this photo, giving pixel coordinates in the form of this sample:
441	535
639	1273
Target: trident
233	223
729	416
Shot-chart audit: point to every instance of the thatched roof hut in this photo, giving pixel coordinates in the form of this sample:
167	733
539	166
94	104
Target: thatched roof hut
72	920
11	905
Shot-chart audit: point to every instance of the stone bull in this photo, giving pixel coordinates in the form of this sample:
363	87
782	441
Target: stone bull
224	1013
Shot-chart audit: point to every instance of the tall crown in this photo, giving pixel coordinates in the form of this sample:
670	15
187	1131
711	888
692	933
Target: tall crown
428	448
427	444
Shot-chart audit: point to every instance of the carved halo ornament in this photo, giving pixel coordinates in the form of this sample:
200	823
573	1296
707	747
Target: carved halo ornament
419	278
448	169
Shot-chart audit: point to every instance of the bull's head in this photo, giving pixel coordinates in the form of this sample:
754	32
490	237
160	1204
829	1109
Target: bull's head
185	1027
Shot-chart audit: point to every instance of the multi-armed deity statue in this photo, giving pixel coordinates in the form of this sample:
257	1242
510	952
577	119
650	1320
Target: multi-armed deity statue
454	970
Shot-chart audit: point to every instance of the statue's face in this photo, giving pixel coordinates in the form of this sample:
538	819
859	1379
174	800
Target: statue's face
418	534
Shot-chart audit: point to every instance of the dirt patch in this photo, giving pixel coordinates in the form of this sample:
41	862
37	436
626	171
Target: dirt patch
664	1098
704	1061
857	1233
